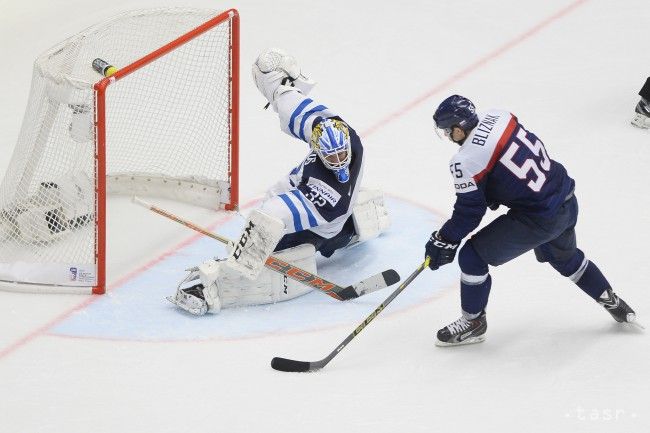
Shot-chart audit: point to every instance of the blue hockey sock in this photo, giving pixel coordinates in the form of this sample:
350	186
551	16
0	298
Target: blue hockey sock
474	294
475	281
592	281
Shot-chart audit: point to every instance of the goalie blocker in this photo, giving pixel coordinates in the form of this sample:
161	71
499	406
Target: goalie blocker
242	280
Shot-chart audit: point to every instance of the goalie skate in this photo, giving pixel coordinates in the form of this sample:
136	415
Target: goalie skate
190	300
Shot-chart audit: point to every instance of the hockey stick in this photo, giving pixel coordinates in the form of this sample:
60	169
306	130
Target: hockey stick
363	287
290	365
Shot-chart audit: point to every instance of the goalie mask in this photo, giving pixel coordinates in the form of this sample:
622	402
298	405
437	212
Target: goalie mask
330	139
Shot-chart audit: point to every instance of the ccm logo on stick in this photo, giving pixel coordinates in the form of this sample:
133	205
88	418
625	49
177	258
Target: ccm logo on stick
296	274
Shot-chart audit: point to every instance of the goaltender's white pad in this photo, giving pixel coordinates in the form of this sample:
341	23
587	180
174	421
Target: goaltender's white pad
261	234
276	72
225	287
370	215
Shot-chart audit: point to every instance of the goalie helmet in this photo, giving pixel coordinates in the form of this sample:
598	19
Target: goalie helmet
457	111
330	139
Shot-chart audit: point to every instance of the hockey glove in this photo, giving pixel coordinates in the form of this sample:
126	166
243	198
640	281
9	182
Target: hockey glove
440	251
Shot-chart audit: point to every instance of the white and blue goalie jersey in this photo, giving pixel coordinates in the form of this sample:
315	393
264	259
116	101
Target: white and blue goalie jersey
310	197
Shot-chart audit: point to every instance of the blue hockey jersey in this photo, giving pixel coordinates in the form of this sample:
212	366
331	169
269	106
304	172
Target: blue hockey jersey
502	163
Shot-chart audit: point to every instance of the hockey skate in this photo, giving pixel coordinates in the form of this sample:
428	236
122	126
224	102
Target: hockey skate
191	294
642	114
190	299
618	308
463	331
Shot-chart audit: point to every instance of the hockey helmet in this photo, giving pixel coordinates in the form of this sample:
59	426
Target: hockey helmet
457	111
330	139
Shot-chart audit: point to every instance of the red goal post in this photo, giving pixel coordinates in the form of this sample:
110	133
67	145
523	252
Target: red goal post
165	124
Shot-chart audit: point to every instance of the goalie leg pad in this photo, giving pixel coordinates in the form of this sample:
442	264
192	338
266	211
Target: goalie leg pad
370	215
261	234
301	256
269	287
214	285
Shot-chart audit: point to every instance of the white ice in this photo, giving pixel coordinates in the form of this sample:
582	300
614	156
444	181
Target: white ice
553	361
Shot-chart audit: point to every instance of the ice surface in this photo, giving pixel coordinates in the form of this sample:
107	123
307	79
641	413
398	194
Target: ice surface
552	361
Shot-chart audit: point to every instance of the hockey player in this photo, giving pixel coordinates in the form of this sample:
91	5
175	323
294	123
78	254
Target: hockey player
318	206
501	163
642	109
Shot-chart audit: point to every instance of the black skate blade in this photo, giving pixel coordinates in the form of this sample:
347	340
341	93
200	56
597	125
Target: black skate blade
289	365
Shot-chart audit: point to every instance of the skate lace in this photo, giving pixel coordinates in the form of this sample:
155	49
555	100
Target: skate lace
459	326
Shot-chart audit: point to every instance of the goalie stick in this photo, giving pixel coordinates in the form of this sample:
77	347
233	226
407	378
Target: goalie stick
290	365
363	287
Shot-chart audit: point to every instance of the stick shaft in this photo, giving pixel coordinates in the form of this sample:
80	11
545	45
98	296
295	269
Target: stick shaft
182	221
378	310
289	365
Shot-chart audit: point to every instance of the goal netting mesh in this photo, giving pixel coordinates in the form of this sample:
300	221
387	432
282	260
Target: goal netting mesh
167	133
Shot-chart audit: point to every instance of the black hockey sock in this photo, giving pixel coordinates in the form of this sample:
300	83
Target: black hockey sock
592	281
474	297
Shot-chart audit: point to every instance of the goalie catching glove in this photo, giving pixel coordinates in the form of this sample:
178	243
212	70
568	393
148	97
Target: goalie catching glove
276	72
440	251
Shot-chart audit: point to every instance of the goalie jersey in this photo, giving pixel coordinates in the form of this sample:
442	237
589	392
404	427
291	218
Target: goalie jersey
501	163
310	197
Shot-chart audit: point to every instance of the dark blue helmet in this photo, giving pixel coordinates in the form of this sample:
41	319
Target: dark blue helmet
456	111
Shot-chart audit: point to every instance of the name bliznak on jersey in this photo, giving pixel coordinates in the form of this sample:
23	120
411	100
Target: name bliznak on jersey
484	128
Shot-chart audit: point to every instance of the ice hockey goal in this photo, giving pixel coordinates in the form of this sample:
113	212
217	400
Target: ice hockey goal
164	124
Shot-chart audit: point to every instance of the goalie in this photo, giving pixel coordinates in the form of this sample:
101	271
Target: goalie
317	207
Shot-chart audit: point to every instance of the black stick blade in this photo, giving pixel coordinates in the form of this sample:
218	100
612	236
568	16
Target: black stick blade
289	365
391	277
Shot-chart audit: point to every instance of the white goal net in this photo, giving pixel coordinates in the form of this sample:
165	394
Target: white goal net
164	124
